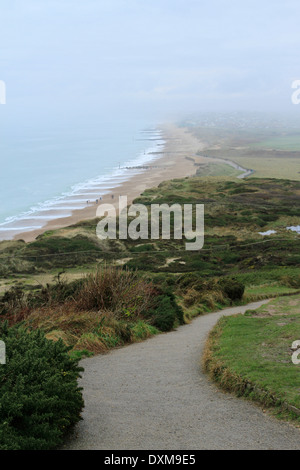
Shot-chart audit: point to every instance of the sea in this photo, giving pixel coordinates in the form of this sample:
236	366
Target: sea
47	174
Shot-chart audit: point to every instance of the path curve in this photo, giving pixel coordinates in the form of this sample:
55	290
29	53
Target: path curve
153	395
246	171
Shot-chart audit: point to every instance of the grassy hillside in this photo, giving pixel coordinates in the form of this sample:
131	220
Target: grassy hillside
234	251
269	152
235	213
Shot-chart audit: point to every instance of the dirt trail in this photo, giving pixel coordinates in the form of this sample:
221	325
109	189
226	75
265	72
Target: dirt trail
153	395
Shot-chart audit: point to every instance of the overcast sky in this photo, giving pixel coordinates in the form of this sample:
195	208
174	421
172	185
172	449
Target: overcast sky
151	58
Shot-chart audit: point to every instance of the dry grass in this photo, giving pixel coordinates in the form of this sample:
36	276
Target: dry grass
92	331
104	311
120	291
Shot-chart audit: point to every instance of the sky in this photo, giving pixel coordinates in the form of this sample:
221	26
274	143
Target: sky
77	60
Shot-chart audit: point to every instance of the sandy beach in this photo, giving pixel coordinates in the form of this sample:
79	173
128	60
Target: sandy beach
173	163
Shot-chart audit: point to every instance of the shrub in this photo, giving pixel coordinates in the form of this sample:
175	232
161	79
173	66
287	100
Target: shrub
120	291
39	396
13	300
53	294
16	304
191	297
232	288
164	312
188	280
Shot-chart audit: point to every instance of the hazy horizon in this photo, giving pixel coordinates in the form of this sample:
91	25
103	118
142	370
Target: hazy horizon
83	78
74	63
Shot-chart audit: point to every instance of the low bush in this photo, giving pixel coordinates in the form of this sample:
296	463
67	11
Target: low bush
39	395
162	314
191	297
291	281
209	292
232	288
97	312
56	293
13	300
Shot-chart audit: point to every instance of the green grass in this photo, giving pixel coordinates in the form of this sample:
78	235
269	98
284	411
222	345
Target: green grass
270	166
270	153
217	169
288	142
251	354
268	290
235	211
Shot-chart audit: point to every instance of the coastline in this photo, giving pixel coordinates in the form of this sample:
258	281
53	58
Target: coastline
173	163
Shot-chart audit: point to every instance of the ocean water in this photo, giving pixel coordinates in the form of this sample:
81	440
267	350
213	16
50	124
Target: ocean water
46	175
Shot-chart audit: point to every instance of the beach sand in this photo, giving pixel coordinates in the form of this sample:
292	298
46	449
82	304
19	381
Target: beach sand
175	162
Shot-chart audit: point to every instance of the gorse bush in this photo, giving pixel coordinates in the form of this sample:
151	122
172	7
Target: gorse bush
39	395
164	312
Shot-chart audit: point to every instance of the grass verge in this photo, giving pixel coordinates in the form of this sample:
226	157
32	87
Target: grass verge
250	355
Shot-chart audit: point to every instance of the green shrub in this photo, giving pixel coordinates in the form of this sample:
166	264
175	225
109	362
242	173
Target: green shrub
119	290
39	396
232	288
188	280
164	312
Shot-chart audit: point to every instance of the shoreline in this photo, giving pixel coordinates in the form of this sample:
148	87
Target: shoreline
172	163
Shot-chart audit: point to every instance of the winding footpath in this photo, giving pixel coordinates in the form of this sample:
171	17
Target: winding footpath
154	396
245	171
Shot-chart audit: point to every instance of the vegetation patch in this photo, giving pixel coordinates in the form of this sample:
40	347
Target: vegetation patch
107	308
39	396
90	295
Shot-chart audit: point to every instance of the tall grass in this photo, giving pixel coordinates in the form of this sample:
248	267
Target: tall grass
104	309
122	292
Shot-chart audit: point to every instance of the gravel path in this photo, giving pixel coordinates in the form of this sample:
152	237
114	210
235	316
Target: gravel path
153	396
